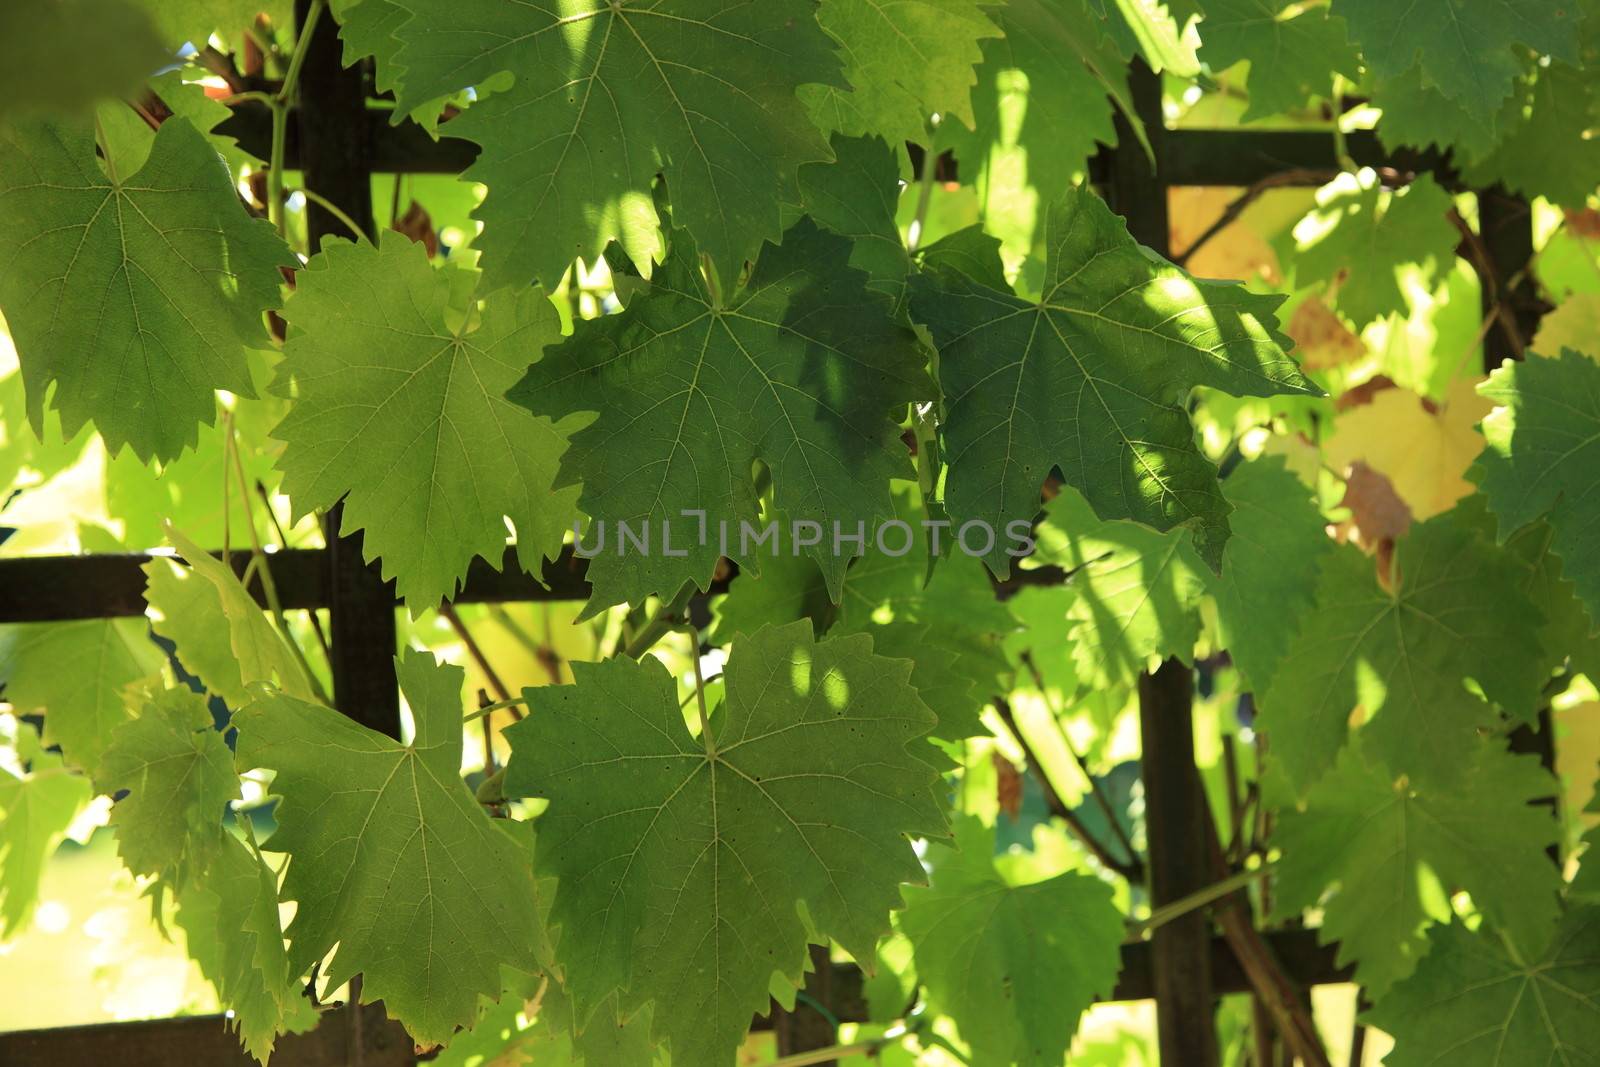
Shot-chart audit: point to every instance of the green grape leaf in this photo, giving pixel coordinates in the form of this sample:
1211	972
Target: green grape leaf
135	295
179	777
230	920
1044	88
1092	379
391	858
905	62
970	252
685	863
1138	590
1360	235
1417	113
855	196
401	413
701	90
77	672
1293	55
37	805
62	55
1542	458
1465	49
804	369
1269	571
1404	654
1397	849
227	654
1014	966
1488	1005
1549	153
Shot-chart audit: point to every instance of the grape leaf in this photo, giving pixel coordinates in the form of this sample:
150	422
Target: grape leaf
62	55
76	672
1543	455
401	413
700	90
1139	590
1396	850
246	648
1014	966
230	921
37	805
803	370
1550	152
855	196
684	863
1269	570
1404	654
1424	447
1293	55
905	62
1044	87
1092	380
1486	1004
1465	49
1360	235
136	295
179	777
391	858
1417	113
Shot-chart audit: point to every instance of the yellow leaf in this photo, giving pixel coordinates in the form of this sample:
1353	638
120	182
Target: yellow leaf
1575	324
1423	448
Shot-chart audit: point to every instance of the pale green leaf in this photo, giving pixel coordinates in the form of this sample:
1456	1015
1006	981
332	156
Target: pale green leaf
1093	378
136	295
700	90
1294	49
1138	590
39	799
230	921
1381	855
1014	966
1490	1006
222	636
1269	571
400	411
1360	236
905	62
1404	655
391	858
76	673
803	370
685	863
178	776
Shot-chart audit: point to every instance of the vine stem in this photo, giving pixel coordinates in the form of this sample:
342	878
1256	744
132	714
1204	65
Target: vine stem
930	162
337	212
661	623
279	104
700	690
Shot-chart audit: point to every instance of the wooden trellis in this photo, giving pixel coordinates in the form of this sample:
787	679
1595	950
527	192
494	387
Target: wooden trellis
339	142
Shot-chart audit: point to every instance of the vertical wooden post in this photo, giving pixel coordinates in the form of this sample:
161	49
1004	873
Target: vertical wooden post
331	116
1175	812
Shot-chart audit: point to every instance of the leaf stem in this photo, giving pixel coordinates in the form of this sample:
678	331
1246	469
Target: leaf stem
496	706
700	690
333	209
1198	899
930	162
268	586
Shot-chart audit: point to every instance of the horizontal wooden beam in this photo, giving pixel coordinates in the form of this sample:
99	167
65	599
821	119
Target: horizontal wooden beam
205	1039
1186	157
